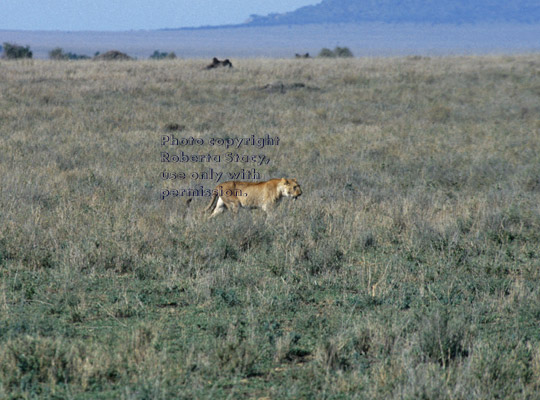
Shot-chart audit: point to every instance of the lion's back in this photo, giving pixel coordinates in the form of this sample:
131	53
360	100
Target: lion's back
235	194
250	194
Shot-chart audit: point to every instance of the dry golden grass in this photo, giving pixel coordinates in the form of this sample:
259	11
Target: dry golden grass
408	267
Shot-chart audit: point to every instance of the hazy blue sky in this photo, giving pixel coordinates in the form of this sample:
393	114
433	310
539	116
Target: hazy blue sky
80	15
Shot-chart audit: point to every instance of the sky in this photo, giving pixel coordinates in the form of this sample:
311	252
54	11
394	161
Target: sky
121	15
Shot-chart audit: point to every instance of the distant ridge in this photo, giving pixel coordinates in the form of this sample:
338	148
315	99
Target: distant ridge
406	11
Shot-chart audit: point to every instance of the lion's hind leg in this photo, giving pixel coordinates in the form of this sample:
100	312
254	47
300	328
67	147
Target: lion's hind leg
220	207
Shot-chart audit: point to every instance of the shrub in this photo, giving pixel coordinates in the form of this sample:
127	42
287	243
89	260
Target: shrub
112	55
58	54
157	55
13	51
326	53
73	56
341	52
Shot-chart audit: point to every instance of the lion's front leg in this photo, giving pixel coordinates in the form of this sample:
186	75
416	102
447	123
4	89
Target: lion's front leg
269	211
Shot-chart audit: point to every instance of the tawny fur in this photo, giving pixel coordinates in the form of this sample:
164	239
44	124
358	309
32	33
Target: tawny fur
251	194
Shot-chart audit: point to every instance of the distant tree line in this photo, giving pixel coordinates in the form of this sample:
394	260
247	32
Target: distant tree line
13	51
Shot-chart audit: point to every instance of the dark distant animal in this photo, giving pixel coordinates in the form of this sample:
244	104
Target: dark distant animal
216	63
301	55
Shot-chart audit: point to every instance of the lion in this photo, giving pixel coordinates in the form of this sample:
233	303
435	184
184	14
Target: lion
234	195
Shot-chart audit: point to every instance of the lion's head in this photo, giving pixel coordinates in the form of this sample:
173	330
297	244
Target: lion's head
290	188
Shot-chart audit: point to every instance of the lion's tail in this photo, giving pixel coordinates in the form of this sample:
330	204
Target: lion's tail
212	204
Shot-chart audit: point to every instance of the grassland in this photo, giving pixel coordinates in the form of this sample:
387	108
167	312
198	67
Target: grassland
408	269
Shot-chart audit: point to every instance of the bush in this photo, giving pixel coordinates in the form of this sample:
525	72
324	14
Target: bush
112	55
157	55
341	52
13	51
326	53
58	54
73	56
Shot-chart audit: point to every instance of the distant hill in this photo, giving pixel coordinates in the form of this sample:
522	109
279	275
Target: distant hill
406	11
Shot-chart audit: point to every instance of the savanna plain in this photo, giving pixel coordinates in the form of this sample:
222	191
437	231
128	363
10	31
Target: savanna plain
409	267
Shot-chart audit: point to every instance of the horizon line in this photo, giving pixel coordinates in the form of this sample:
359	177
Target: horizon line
250	25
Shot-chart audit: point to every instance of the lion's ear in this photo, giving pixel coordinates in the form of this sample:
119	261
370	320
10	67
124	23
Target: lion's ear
294	180
283	180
